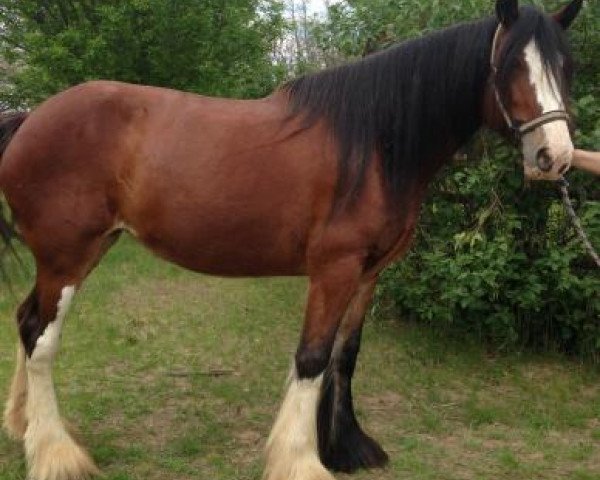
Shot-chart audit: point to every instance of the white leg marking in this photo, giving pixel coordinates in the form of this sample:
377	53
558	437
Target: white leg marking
51	452
557	137
292	451
15	420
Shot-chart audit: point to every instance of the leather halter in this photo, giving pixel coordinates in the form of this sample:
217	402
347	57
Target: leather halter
517	129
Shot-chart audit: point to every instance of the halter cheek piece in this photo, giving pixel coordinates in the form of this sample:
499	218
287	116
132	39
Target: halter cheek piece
519	130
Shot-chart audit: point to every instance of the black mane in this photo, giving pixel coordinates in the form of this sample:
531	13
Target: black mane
417	100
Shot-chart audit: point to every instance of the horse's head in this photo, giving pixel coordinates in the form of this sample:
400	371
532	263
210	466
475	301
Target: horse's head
530	77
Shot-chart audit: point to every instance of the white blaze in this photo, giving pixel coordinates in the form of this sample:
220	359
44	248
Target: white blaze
546	86
555	135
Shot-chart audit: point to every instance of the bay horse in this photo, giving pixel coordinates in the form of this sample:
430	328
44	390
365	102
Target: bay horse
323	178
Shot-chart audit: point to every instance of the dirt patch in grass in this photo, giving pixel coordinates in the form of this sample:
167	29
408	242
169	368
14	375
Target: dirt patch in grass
384	402
507	426
157	294
144	304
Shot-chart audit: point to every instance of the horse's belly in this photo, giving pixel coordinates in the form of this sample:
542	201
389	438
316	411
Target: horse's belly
227	247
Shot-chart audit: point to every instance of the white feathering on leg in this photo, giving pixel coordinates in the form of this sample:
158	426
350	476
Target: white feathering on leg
51	452
15	420
292	450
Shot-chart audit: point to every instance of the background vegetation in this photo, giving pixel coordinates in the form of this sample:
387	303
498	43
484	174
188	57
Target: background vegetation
493	257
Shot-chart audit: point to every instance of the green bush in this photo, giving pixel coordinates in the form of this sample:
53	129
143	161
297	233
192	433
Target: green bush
501	261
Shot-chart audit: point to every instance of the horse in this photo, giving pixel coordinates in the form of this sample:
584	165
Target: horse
324	178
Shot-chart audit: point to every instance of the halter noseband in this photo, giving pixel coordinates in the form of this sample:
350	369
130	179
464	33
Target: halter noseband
517	129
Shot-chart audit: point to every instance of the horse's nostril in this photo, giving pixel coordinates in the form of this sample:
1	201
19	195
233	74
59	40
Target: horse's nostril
563	169
544	161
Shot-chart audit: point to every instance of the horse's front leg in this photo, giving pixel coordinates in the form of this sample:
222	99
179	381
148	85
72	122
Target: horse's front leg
292	449
343	445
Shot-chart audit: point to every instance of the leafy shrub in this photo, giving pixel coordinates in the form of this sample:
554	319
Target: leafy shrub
501	260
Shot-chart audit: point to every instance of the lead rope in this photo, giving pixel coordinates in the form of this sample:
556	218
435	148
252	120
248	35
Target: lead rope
563	185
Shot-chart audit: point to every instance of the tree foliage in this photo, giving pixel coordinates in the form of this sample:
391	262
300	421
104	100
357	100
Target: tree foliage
219	47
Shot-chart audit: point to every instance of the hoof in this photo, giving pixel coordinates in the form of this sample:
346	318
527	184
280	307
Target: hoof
59	459
355	452
343	446
309	468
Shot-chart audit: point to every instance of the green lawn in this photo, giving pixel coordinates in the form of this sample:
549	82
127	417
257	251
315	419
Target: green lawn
172	375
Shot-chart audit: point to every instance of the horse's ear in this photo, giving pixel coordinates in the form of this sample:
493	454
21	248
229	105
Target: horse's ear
568	13
507	11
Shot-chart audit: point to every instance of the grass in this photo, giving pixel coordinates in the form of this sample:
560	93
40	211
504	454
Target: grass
171	375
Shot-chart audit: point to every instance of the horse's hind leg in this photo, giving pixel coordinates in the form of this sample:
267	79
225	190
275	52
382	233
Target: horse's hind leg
292	449
15	421
15	418
51	452
343	446
32	411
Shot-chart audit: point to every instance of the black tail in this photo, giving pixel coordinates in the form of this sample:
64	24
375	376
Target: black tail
9	124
